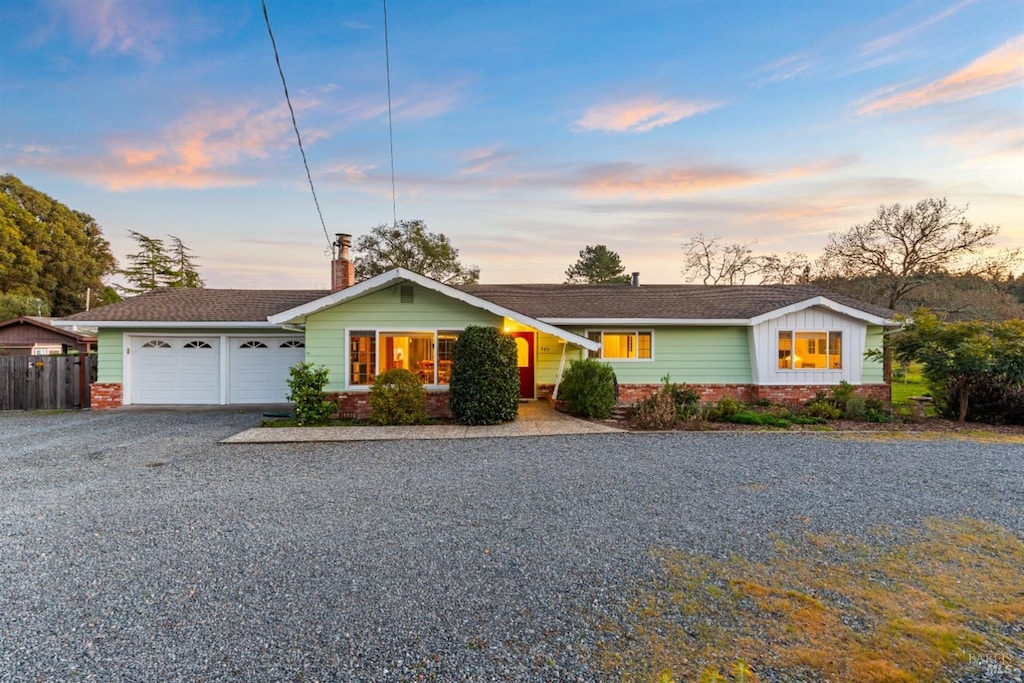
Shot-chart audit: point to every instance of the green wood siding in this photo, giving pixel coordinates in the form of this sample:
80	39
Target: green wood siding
110	356
549	356
873	371
706	355
383	310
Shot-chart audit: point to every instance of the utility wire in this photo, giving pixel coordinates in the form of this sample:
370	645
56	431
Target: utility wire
295	125
391	132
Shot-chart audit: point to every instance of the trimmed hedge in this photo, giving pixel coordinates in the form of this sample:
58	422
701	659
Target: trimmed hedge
397	397
484	386
589	387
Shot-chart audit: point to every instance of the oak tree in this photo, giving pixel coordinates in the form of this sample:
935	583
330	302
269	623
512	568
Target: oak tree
409	245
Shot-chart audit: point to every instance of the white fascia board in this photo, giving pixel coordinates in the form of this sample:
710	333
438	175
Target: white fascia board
167	324
299	313
824	302
650	322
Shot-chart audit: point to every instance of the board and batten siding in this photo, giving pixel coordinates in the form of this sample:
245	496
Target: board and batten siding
383	310
765	344
697	355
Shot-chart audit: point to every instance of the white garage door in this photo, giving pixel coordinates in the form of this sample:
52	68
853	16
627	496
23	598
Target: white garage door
258	368
175	370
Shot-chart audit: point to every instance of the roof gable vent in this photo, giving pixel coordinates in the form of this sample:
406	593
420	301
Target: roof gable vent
405	293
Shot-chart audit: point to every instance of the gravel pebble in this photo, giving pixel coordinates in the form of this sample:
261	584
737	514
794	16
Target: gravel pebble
134	546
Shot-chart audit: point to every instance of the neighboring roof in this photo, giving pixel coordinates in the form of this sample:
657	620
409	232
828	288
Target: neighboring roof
199	305
564	304
384	280
43	323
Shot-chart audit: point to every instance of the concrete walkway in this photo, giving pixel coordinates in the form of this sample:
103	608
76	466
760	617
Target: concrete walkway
536	418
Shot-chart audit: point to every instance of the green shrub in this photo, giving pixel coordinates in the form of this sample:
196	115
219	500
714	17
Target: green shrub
589	387
484	386
685	399
397	397
306	382
856	408
841	394
823	408
877	410
724	409
657	411
749	417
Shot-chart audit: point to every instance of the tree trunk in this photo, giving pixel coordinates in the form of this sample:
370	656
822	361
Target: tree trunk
963	405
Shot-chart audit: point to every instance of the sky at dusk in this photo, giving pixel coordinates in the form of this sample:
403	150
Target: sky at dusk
523	130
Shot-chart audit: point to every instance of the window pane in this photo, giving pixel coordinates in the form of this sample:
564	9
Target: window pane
413	351
619	345
835	350
445	342
362	358
644	342
810	350
785	350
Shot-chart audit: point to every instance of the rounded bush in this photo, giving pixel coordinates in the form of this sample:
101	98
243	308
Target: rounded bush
397	397
588	386
484	386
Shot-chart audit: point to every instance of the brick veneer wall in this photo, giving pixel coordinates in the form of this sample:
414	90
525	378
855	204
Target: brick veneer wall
791	394
103	396
357	404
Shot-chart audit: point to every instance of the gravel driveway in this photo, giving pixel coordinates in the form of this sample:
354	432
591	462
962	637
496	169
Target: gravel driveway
134	546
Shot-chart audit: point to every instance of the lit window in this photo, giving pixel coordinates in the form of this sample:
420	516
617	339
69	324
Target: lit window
622	344
362	357
799	350
426	354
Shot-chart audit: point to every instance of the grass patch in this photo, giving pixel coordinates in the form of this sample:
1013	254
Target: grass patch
831	608
974	435
912	383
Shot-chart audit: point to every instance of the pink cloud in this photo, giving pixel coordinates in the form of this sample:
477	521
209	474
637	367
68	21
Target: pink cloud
614	181
203	149
483	159
997	70
640	115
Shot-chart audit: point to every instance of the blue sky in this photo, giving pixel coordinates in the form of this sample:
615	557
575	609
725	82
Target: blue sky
522	130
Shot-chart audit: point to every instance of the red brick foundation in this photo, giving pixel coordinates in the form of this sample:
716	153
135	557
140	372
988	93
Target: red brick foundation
356	404
105	396
789	394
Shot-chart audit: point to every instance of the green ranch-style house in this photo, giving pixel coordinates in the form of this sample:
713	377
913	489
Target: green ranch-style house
234	346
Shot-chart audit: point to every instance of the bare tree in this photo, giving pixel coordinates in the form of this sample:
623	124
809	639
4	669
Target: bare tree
708	260
790	268
902	246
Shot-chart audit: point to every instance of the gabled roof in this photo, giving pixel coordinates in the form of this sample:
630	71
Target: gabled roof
385	280
667	304
43	323
197	305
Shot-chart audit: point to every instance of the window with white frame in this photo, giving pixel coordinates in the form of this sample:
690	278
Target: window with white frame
810	350
426	353
623	344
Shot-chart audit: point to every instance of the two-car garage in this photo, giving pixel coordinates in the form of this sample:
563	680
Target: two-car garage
210	369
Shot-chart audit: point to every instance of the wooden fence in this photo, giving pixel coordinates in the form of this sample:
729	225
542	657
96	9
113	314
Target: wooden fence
46	382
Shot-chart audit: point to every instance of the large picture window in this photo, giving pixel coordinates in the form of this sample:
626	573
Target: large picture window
427	354
622	344
806	350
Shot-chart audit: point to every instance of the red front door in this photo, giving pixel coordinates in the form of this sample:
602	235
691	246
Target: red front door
524	359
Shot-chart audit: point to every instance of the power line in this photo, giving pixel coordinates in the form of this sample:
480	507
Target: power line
295	125
391	132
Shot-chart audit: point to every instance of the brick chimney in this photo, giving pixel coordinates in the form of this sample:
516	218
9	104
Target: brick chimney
343	270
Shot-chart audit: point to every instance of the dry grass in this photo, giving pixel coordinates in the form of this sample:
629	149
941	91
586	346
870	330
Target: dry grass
831	608
974	435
